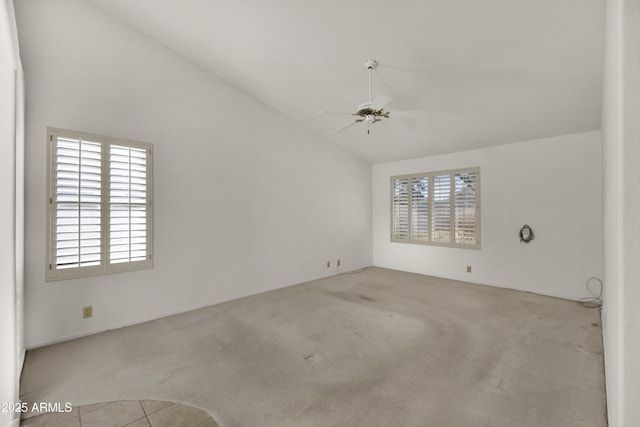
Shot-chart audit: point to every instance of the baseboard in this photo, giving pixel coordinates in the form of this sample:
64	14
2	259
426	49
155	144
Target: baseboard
474	281
199	306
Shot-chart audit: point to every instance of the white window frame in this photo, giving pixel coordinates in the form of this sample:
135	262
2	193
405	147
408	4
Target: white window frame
428	241
105	267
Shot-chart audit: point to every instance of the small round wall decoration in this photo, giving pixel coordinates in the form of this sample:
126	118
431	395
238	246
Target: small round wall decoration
526	234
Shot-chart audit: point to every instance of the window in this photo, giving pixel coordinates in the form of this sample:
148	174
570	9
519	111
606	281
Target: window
437	208
99	205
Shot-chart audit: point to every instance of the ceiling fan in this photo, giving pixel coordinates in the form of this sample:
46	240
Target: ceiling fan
373	111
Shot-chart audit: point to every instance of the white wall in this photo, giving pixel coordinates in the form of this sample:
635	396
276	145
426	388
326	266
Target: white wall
552	184
612	216
244	200
621	159
11	221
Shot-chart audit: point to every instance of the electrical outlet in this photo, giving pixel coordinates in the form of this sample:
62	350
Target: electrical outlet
468	269
328	264
338	263
87	311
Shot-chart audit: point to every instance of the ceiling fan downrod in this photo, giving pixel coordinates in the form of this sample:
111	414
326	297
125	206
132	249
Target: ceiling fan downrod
371	65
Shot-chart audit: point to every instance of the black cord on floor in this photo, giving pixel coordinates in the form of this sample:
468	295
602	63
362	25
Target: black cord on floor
594	301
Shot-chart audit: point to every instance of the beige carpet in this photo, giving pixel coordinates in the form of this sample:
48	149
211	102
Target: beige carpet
377	348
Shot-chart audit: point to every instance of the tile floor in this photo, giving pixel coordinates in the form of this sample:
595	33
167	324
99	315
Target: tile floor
130	413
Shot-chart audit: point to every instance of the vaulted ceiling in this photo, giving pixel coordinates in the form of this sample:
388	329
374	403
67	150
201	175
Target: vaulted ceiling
487	72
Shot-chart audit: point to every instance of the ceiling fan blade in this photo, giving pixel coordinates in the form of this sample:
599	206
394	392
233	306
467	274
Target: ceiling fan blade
407	114
380	101
348	125
334	113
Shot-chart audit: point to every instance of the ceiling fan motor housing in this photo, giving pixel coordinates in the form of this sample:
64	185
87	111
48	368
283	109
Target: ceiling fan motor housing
370	64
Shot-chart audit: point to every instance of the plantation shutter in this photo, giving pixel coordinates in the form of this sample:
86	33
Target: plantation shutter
465	208
420	208
127	204
437	208
441	213
99	205
76	203
400	208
